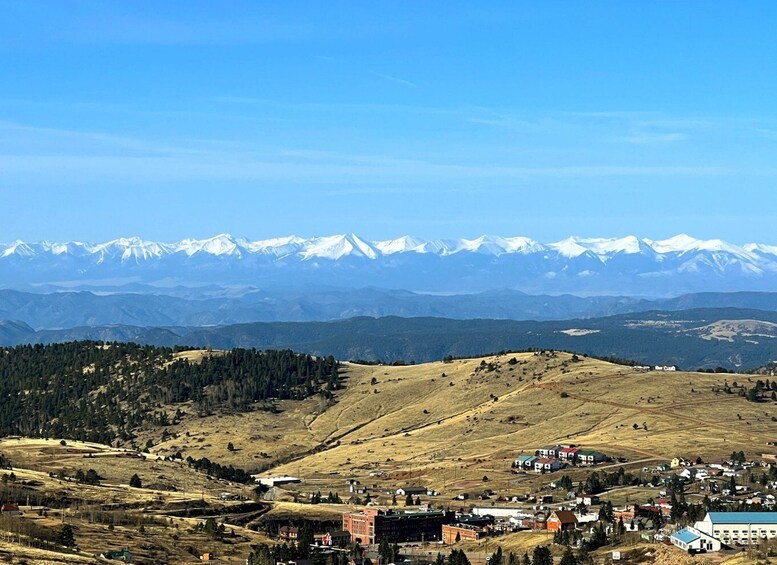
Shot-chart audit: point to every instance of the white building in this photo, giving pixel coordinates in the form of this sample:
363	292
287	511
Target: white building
693	474
547	465
498	511
587	499
739	528
694	540
550	451
276	481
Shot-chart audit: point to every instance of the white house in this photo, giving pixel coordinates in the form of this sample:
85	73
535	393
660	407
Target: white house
550	451
742	528
665	368
693	474
547	465
694	540
587	499
590	456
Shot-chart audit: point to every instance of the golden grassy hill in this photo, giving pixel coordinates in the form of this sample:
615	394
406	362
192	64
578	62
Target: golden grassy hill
442	425
446	425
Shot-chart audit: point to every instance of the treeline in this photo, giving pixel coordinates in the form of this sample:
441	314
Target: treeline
95	391
227	472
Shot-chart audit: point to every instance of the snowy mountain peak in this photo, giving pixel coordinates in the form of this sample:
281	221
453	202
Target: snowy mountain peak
18	248
522	245
760	248
606	246
574	264
222	244
338	246
677	244
404	244
569	247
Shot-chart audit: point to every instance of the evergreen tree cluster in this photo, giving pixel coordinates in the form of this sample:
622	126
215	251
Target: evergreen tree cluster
95	391
331	498
264	554
227	472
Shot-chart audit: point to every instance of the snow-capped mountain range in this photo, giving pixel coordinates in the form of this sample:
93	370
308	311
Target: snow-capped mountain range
627	265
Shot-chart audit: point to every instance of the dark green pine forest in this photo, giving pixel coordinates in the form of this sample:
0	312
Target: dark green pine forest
94	391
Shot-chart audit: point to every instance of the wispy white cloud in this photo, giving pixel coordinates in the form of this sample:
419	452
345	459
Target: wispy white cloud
394	79
645	137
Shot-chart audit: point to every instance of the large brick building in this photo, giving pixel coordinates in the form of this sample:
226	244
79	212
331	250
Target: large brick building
374	525
453	533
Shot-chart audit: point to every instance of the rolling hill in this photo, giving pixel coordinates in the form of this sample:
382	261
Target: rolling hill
451	426
690	339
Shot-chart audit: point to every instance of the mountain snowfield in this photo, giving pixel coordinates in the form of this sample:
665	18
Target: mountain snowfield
629	265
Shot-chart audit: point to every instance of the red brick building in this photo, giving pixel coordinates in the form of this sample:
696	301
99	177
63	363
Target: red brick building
374	525
452	533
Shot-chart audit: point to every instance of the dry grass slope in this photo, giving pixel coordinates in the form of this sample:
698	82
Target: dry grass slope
443	425
448	424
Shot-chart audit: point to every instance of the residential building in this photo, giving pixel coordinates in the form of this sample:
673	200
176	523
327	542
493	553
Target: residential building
590	457
546	465
561	520
550	451
695	474
587	499
525	461
568	453
288	533
374	525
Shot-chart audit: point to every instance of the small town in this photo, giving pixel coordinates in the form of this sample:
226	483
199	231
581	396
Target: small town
724	507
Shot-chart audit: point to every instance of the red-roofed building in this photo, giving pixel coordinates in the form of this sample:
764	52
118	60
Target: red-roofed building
547	465
568	453
10	510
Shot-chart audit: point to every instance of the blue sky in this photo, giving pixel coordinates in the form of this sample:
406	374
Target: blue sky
439	119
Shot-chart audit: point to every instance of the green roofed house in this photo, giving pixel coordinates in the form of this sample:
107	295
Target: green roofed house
525	462
121	555
590	457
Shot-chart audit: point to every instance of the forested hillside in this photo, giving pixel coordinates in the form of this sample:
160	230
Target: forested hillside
706	338
103	391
